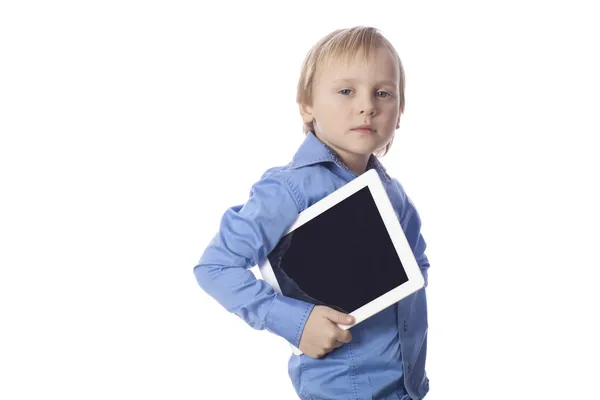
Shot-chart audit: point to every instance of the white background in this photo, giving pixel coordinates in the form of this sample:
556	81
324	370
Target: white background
128	128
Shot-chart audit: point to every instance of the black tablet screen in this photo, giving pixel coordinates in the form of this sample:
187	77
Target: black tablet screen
343	258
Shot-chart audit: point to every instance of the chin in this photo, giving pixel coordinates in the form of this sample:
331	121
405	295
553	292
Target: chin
363	150
369	145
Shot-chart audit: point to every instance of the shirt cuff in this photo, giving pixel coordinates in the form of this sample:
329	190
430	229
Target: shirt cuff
287	318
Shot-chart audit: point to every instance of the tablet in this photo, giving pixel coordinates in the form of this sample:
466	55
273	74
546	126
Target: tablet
347	251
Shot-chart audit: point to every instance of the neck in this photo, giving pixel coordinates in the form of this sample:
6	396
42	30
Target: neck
357	163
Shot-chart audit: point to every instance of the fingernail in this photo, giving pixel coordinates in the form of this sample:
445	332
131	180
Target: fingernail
348	319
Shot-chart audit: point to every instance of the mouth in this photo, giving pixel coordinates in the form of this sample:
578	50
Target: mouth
366	129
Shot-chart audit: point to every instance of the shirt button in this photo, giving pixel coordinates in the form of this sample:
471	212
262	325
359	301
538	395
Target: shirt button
405	326
409	368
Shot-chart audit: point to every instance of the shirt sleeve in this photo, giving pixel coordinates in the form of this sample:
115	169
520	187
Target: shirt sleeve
247	234
410	221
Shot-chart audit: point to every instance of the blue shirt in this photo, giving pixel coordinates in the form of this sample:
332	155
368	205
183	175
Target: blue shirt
386	357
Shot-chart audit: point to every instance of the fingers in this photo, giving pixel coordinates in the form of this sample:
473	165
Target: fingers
322	333
343	336
340	338
339	317
337	345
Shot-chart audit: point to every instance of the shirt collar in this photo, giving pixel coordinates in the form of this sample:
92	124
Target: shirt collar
314	151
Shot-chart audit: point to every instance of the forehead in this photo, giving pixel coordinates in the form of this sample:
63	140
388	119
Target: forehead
375	64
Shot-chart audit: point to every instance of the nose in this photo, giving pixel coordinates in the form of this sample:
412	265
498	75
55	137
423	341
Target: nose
369	112
367	107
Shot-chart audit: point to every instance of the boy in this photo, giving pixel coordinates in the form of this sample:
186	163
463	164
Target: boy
350	96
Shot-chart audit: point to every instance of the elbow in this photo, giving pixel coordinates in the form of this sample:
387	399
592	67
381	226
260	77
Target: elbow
202	276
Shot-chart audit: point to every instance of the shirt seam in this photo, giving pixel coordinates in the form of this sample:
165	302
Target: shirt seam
298	199
352	370
300	325
296	195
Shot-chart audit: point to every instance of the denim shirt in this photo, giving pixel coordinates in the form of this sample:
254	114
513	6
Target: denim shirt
386	357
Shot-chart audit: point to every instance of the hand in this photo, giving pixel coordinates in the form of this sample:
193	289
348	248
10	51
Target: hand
321	333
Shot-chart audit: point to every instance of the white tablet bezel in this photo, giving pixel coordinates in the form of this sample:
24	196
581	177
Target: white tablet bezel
415	278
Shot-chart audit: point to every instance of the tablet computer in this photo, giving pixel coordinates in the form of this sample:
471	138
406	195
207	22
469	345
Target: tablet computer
347	251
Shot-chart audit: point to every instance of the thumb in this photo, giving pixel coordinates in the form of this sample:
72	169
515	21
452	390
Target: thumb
339	317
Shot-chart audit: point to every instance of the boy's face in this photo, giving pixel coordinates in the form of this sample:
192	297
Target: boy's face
347	95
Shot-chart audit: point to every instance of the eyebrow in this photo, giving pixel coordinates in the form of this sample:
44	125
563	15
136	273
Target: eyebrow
349	80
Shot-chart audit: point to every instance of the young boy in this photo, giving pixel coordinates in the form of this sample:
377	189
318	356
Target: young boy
351	96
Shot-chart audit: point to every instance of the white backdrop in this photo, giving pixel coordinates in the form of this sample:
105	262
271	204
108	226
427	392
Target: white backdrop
129	127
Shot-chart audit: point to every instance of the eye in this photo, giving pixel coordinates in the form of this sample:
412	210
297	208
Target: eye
385	94
344	91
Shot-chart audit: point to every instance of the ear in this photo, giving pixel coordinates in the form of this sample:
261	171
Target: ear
306	113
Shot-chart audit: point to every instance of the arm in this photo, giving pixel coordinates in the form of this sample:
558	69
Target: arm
246	236
411	224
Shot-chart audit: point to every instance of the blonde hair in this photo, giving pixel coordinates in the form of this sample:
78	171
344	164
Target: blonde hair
344	44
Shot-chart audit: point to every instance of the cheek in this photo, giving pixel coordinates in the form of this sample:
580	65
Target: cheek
342	107
332	110
392	113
